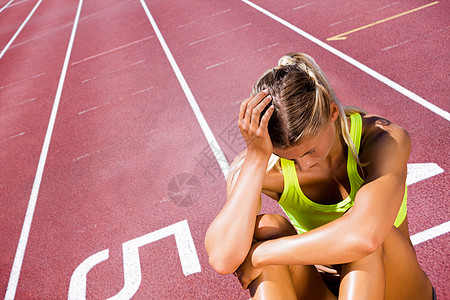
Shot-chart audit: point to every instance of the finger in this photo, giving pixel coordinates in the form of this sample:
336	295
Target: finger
257	111
266	117
253	103
243	107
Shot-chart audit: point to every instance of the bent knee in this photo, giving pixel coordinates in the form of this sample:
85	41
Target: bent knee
272	226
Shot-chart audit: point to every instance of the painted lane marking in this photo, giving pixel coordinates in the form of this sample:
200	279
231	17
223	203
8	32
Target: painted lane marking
17	3
85	155
77	288
219	34
220	157
22	80
415	38
241	56
93	108
16	135
115	101
190	263
304	5
6	6
23	240
343	36
111	50
27	101
12	137
430	233
419	172
366	13
114	71
20	29
201	19
142	91
66	25
41	35
444	114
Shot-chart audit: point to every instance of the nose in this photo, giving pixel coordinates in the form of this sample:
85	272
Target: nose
304	163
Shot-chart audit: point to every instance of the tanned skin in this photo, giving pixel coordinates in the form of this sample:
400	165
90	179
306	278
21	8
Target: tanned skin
378	260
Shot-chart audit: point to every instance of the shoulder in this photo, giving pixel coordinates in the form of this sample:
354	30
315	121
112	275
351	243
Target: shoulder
384	145
377	130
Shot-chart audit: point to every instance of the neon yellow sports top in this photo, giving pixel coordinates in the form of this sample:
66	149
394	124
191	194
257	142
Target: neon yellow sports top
305	214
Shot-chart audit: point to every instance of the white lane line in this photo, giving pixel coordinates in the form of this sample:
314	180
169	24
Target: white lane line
17	3
142	91
219	34
93	108
114	71
27	101
111	50
13	137
304	5
366	13
430	233
421	171
41	35
355	63
64	26
22	80
220	157
415	38
18	259
20	29
241	56
6	6
213	15
85	156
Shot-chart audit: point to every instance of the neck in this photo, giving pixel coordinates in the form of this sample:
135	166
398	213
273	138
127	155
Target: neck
337	154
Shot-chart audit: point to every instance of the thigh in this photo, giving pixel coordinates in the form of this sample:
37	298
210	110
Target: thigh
404	276
364	279
304	280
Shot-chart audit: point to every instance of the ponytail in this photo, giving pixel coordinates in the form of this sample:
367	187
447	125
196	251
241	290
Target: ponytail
302	98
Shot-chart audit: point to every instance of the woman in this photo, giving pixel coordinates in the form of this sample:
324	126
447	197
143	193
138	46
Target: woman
339	175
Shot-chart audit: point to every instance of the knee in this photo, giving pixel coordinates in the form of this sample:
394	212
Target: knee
272	226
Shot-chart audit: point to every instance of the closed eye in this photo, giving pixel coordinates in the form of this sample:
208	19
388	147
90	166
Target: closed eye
310	152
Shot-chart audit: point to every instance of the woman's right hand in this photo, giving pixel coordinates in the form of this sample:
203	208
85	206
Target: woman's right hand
253	126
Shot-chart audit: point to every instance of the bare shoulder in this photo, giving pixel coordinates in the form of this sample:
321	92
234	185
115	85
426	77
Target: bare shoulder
376	129
384	145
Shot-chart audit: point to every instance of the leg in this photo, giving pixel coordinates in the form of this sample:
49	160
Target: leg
364	279
392	272
404	276
285	282
275	282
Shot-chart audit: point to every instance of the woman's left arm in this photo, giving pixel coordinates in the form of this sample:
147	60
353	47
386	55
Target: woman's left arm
362	230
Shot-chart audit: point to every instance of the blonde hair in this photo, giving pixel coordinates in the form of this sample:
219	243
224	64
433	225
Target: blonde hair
302	98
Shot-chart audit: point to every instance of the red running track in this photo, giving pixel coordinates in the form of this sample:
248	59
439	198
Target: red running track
125	135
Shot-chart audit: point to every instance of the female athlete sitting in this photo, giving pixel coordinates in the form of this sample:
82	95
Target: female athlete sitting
339	175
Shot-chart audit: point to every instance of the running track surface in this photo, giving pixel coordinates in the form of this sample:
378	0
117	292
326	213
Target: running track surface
133	161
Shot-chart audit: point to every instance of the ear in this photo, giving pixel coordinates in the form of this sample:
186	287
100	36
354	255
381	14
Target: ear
334	112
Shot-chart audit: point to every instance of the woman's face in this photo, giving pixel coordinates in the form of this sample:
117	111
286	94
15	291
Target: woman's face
311	151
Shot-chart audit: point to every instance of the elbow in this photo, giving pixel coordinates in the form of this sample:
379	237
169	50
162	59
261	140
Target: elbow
223	262
370	245
365	245
222	266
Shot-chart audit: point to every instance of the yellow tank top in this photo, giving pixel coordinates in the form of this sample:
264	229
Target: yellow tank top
305	214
